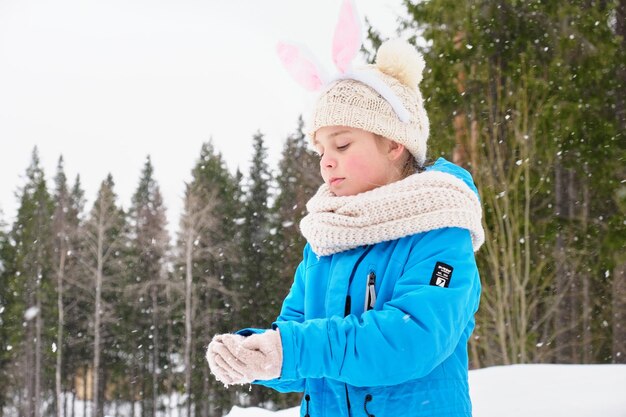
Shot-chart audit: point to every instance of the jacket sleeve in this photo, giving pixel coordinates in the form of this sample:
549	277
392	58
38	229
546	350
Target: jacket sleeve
292	310
413	332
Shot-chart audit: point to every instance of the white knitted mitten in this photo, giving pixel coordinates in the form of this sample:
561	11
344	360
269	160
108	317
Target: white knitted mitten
219	367
241	361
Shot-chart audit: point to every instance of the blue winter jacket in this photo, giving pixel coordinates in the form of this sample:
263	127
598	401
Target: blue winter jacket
382	330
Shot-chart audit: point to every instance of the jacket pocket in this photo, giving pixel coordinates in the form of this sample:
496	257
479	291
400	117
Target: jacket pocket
370	292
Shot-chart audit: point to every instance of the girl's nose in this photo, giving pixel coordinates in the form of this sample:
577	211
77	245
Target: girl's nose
327	161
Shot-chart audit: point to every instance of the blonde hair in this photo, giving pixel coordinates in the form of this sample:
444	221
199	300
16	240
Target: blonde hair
410	165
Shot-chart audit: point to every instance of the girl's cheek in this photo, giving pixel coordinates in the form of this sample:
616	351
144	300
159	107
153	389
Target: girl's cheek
357	162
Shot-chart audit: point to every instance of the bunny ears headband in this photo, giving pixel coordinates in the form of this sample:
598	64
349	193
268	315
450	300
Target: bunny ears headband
395	58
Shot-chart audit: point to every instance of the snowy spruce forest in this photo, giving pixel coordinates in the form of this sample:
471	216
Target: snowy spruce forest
103	312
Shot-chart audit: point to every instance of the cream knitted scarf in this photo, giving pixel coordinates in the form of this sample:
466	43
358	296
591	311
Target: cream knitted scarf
421	202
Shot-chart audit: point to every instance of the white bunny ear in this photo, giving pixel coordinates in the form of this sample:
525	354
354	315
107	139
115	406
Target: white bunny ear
347	39
301	66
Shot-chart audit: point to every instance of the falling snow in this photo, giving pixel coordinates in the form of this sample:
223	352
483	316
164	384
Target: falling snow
31	313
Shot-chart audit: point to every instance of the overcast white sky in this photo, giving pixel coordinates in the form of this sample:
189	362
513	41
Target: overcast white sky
106	83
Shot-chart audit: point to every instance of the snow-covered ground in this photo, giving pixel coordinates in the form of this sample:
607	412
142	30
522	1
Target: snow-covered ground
531	391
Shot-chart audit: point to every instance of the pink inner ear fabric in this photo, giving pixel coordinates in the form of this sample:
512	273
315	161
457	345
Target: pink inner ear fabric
302	69
347	38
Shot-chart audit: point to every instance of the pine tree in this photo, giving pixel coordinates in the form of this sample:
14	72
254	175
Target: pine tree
5	295
257	266
255	238
31	282
196	222
103	239
206	258
78	347
149	243
65	224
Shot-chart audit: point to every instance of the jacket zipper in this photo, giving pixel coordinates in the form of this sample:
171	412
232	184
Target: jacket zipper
370	291
368	398
348	305
307	398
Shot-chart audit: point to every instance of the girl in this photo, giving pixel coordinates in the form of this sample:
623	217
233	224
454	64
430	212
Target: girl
382	305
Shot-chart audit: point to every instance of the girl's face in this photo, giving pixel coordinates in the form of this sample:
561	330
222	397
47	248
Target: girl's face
353	160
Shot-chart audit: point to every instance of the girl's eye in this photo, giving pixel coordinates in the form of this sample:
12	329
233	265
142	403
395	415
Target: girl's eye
343	147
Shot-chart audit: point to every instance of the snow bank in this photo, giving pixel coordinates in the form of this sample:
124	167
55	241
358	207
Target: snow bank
530	390
549	390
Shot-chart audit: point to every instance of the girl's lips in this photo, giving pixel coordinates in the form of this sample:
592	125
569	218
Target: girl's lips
335	181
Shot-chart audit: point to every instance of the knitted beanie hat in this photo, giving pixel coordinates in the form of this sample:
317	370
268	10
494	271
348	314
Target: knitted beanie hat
356	99
383	98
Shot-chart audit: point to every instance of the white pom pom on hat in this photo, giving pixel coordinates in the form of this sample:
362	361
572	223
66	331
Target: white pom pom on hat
401	60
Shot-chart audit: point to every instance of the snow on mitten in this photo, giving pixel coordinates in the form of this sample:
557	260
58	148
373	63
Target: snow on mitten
263	355
223	372
257	357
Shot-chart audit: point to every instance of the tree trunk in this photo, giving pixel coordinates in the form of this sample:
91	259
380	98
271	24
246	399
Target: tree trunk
155	349
29	358
133	382
585	278
619	312
620	29
85	393
188	308
564	276
205	391
38	345
573	302
144	382
169	337
101	392
559	257
74	393
20	404
21	410
97	317
60	326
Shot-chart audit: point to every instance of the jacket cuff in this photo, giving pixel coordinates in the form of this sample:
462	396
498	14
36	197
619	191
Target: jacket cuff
249	331
288	370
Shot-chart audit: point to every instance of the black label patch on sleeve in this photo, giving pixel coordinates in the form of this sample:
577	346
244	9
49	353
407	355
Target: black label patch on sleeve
442	274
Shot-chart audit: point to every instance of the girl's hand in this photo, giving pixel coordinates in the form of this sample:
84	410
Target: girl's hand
223	372
263	355
235	359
